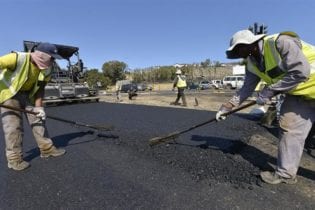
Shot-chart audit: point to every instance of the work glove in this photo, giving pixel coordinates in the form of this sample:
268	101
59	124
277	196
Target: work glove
225	108
264	96
40	112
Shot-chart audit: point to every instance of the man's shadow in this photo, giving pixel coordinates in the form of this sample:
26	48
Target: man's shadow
250	153
64	140
309	146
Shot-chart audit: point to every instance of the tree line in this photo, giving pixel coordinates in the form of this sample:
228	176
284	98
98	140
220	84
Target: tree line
113	71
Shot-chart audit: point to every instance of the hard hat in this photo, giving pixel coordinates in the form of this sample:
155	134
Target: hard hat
178	71
242	37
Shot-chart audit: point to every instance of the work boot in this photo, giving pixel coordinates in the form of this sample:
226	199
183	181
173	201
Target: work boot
175	103
274	178
18	165
54	152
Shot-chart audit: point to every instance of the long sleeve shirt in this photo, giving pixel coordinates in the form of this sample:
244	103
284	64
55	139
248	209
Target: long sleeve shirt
294	64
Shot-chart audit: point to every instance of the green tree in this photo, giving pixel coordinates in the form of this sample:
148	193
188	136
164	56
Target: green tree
94	78
114	70
205	63
188	70
138	75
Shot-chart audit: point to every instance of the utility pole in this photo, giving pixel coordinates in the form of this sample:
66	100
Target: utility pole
258	29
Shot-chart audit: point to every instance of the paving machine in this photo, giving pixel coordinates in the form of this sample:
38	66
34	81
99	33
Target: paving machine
66	84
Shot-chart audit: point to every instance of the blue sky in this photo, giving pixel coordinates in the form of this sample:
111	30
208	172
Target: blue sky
144	33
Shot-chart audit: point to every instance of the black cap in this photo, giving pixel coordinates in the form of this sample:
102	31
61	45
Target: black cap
50	49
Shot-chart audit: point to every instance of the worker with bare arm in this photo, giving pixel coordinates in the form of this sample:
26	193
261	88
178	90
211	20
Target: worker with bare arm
287	65
180	83
22	80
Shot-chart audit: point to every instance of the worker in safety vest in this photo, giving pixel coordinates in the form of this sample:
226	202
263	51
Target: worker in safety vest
287	65
23	76
180	83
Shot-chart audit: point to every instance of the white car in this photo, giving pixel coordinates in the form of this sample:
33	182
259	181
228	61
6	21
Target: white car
205	85
217	84
233	82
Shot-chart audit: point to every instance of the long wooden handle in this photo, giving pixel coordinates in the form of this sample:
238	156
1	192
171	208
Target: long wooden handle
173	135
97	127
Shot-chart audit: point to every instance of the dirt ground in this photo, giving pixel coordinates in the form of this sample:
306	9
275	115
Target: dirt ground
198	100
211	100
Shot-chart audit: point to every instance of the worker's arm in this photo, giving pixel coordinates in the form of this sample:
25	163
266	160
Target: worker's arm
40	95
8	61
175	82
250	83
294	64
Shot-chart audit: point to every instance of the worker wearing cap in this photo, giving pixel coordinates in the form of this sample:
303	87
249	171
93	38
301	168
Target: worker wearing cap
180	83
23	76
287	65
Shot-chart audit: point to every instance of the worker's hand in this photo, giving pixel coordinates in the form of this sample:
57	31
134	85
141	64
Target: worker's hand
264	96
173	89
40	112
225	108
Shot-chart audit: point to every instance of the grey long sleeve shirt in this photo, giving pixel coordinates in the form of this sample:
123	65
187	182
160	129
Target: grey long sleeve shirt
294	64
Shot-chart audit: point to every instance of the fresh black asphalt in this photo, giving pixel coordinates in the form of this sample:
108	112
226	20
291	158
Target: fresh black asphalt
210	167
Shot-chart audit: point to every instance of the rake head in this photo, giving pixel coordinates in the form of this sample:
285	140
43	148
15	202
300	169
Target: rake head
161	139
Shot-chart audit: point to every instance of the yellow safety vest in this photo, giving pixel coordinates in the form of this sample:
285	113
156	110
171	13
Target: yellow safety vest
273	59
11	81
181	83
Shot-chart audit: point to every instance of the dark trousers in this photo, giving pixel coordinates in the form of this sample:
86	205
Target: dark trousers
181	94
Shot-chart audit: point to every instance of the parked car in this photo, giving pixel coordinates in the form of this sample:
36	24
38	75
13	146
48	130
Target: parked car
192	85
217	84
143	87
205	85
233	82
129	87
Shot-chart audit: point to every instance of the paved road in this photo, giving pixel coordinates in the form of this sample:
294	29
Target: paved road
207	168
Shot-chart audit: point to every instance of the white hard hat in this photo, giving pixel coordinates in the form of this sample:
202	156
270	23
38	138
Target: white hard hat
178	71
242	37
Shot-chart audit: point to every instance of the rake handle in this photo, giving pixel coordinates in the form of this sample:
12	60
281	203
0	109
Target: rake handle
18	109
56	118
173	135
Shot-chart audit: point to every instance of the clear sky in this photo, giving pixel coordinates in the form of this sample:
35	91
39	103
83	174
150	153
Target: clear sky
144	33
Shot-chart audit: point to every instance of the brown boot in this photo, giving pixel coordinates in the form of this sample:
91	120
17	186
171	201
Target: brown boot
53	151
18	165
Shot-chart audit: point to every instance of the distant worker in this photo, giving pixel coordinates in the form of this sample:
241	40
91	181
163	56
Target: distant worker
286	64
23	78
180	83
118	90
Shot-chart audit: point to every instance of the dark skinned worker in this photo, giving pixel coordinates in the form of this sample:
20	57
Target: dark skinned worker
287	65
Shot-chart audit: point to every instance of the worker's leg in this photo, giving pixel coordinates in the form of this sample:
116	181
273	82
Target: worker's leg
183	97
296	119
39	130
177	98
13	134
310	140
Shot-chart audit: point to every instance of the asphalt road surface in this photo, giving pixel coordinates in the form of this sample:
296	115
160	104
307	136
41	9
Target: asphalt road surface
211	167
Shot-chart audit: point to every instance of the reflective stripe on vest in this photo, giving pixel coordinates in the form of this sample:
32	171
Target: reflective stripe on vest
273	59
11	81
181	83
